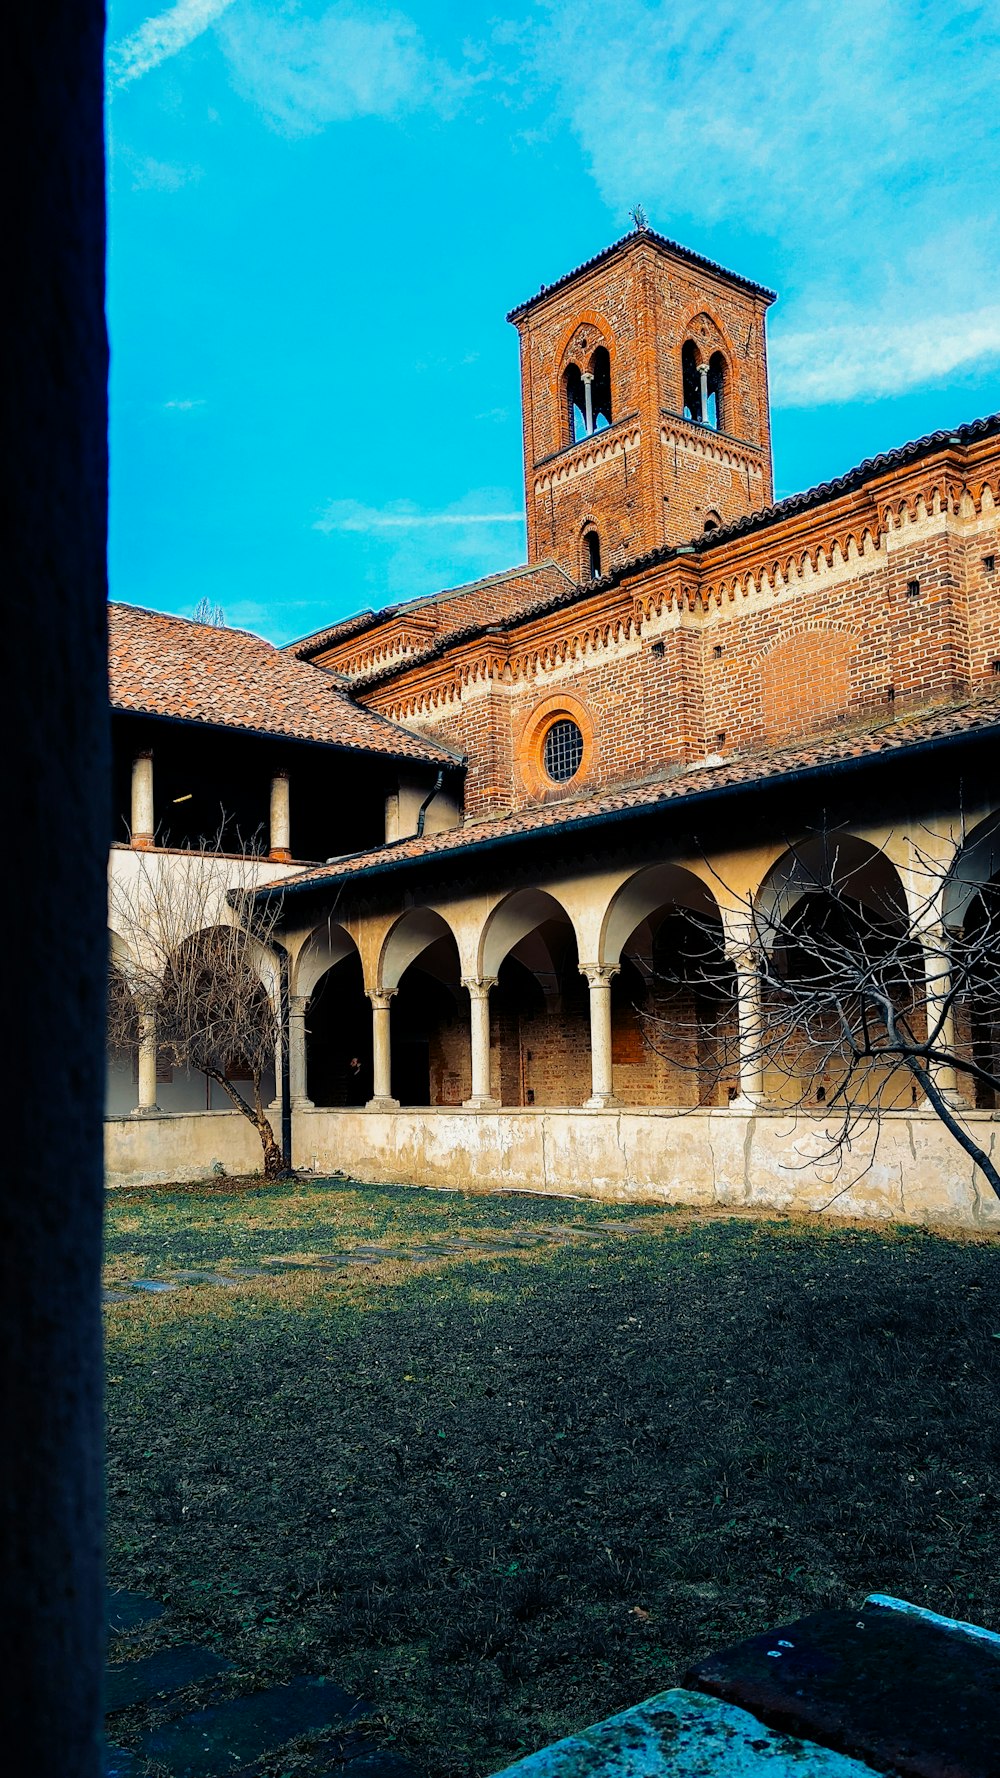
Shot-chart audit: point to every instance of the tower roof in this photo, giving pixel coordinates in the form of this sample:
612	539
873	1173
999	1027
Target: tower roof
664	245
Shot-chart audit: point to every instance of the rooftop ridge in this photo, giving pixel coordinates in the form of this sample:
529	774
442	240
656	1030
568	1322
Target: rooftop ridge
349	627
658	240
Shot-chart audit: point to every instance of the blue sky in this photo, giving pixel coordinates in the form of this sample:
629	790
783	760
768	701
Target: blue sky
319	215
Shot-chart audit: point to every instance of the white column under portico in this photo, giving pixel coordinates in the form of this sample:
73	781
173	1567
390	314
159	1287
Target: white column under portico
940	1011
479	1017
143	818
381	1099
741	950
147	1105
297	1070
599	977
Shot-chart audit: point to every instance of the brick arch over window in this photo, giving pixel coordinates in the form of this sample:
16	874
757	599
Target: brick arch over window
588	344
805	680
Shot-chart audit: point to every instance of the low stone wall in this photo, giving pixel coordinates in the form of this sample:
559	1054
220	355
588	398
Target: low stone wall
917	1172
179	1145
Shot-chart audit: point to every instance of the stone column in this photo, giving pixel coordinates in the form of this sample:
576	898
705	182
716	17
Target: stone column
382	1099
297	1070
741	951
143	817
937	974
479	1011
587	377
281	823
703	384
147	1066
602	1084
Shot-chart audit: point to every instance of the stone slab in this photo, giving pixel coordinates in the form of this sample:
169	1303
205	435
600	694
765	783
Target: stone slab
126	1611
225	1280
167	1670
154	1285
118	1763
223	1737
680	1734
886	1686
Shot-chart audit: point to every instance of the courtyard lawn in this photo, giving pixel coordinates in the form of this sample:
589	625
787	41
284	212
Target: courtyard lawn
505	1496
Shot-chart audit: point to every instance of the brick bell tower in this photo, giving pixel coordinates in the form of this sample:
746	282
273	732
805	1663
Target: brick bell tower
644	397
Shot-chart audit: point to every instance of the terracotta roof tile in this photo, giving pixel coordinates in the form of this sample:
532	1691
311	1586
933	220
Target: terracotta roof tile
452	611
167	666
978	716
658	240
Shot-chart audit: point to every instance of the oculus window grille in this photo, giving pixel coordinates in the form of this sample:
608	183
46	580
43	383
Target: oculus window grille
563	751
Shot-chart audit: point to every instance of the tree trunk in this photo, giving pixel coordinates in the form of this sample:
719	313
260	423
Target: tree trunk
255	1114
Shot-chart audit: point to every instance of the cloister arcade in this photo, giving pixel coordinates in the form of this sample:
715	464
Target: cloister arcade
630	988
616	988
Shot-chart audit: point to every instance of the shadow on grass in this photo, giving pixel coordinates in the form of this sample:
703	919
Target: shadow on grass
508	1498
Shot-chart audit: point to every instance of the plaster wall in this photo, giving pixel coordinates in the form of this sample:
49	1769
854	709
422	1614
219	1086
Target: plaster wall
179	1146
710	1158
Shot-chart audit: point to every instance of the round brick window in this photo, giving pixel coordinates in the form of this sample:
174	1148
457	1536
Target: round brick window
562	753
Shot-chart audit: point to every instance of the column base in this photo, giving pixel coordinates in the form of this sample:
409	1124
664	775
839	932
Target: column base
382	1105
146	1111
480	1102
601	1102
303	1104
744	1105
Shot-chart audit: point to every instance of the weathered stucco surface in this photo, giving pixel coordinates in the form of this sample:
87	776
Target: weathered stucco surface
769	1160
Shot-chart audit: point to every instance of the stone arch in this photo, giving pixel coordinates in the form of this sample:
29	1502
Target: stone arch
657	886
830	895
412	934
325	947
518	915
976	862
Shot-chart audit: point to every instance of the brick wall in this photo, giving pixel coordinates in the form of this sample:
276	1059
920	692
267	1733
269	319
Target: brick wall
840	615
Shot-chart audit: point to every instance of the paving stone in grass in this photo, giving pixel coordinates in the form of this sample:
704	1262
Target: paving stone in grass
900	1692
225	1280
223	1737
678	1734
167	1670
126	1611
115	1296
152	1284
118	1763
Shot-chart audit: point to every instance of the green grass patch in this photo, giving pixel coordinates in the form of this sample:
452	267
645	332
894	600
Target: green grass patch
506	1497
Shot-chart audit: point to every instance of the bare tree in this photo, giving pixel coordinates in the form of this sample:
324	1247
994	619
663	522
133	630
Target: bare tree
188	977
842	995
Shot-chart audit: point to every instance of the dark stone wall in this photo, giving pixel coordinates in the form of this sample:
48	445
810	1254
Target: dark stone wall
56	773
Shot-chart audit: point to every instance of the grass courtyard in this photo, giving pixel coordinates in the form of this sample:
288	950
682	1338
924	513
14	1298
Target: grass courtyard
518	1471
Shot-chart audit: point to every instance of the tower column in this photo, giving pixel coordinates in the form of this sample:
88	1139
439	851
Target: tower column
587	378
703	386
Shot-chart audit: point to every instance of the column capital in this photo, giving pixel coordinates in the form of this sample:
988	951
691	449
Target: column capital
298	1005
586	376
600	975
479	986
380	1000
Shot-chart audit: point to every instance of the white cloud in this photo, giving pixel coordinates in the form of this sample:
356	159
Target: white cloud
874	359
185	407
851	151
161	37
351	515
303	71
